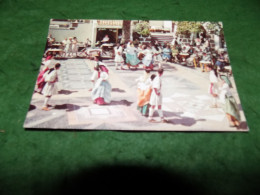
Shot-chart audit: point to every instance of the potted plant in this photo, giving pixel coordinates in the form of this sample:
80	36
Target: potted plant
143	28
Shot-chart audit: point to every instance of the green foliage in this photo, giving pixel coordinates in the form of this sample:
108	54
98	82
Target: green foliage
142	28
189	27
215	28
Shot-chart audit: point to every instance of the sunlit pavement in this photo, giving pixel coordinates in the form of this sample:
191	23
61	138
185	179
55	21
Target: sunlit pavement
186	102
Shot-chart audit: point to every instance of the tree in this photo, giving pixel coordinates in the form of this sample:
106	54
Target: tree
126	30
189	27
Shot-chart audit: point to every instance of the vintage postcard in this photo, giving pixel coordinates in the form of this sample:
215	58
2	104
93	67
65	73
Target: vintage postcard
135	75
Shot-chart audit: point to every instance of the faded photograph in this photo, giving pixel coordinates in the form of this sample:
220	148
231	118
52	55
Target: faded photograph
135	75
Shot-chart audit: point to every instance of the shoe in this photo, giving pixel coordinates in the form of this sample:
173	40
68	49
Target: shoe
45	108
152	121
164	121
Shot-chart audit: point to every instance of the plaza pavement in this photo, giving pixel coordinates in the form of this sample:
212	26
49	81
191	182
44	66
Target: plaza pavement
186	102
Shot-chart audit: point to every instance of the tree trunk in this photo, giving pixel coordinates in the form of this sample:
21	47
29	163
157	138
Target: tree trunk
126	31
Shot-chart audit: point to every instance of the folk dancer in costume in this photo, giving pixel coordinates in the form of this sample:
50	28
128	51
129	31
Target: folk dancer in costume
229	103
157	55
96	72
144	90
74	47
131	58
156	97
148	58
213	86
40	79
101	93
167	53
50	77
118	56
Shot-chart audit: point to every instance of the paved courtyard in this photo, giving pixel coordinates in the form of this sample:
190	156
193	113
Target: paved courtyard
186	103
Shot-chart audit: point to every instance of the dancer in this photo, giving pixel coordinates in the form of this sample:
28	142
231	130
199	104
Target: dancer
131	58
144	90
156	97
50	77
148	58
101	93
95	74
157	55
229	103
118	56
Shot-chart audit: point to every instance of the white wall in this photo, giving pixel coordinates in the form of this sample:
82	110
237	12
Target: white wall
82	32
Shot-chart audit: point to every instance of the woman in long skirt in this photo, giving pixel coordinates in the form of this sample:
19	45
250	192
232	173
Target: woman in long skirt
229	103
167	53
101	93
148	58
131	57
157	55
144	91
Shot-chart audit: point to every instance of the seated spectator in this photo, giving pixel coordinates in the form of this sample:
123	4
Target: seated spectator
175	53
167	53
220	62
190	60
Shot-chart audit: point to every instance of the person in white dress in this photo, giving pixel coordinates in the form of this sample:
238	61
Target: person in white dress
228	102
148	58
156	97
213	86
74	47
101	93
68	45
157	55
118	56
131	57
50	88
96	72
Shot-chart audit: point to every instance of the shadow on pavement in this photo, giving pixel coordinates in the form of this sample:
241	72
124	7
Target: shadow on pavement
121	102
67	107
66	92
118	90
180	120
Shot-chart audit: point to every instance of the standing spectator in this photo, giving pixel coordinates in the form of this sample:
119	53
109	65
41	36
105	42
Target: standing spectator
74	47
68	46
118	56
213	86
